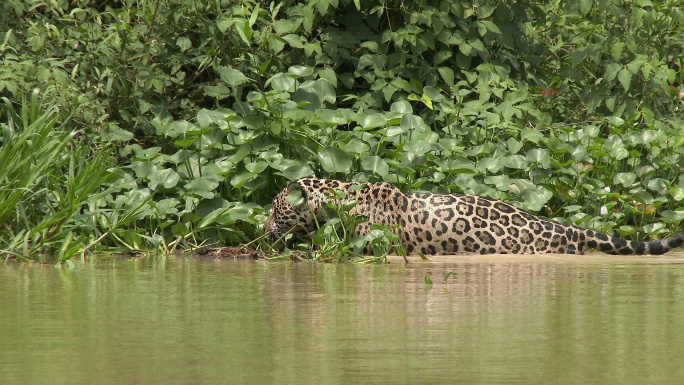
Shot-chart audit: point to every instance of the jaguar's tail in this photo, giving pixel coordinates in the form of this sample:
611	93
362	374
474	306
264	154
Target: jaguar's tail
619	246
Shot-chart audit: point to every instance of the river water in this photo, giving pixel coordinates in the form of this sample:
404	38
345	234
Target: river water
495	320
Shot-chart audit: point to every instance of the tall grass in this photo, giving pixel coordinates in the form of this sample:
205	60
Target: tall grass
47	179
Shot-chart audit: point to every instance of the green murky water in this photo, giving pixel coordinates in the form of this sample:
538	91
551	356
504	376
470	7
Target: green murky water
496	320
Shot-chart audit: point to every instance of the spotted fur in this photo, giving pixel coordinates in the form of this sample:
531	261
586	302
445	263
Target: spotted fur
448	224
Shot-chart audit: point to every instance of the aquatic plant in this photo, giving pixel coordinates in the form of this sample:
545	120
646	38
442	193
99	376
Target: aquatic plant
176	123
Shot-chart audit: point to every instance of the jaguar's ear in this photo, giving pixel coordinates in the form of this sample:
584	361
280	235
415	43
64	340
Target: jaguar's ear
295	194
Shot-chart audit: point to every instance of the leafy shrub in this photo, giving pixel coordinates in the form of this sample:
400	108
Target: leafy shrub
570	110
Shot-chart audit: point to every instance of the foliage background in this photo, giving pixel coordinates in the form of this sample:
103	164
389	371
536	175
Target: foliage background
190	116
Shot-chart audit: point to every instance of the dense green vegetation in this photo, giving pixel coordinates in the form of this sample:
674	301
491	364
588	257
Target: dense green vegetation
168	124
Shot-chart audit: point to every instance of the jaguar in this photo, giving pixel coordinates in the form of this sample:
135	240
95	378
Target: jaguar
444	223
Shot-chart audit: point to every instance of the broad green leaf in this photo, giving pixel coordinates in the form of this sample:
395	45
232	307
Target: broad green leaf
487	26
440	57
388	91
417	147
477	45
540	156
184	143
515	161
447	75
616	51
616	147
294	40
646	70
239	180
513	145
296	172
117	134
402	107
489	165
433	93
176	128
578	56
166	177
223	25
355	146
517	186
464	61
654	228
424	99
658	185
372	61
335	160
183	43
579	153
332	117
394	131
648	136
625	78
612	70
276	44
615	120
677	193
256	167
240	212
413	122
642	197
300	70
535	199
636	64
673	216
243	108
203	186
307	99
329	75
324	89
282	82
239	154
626	231
573	208
624	178
220	117
485	10
501	181
516	97
220	91
585	6
232	76
372	46
531	135
375	164
372	120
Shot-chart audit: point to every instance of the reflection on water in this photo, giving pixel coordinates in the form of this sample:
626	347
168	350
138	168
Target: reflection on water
548	319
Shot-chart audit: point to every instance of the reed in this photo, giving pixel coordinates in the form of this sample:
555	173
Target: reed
48	177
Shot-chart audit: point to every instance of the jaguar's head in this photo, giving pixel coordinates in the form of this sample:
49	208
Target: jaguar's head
291	212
